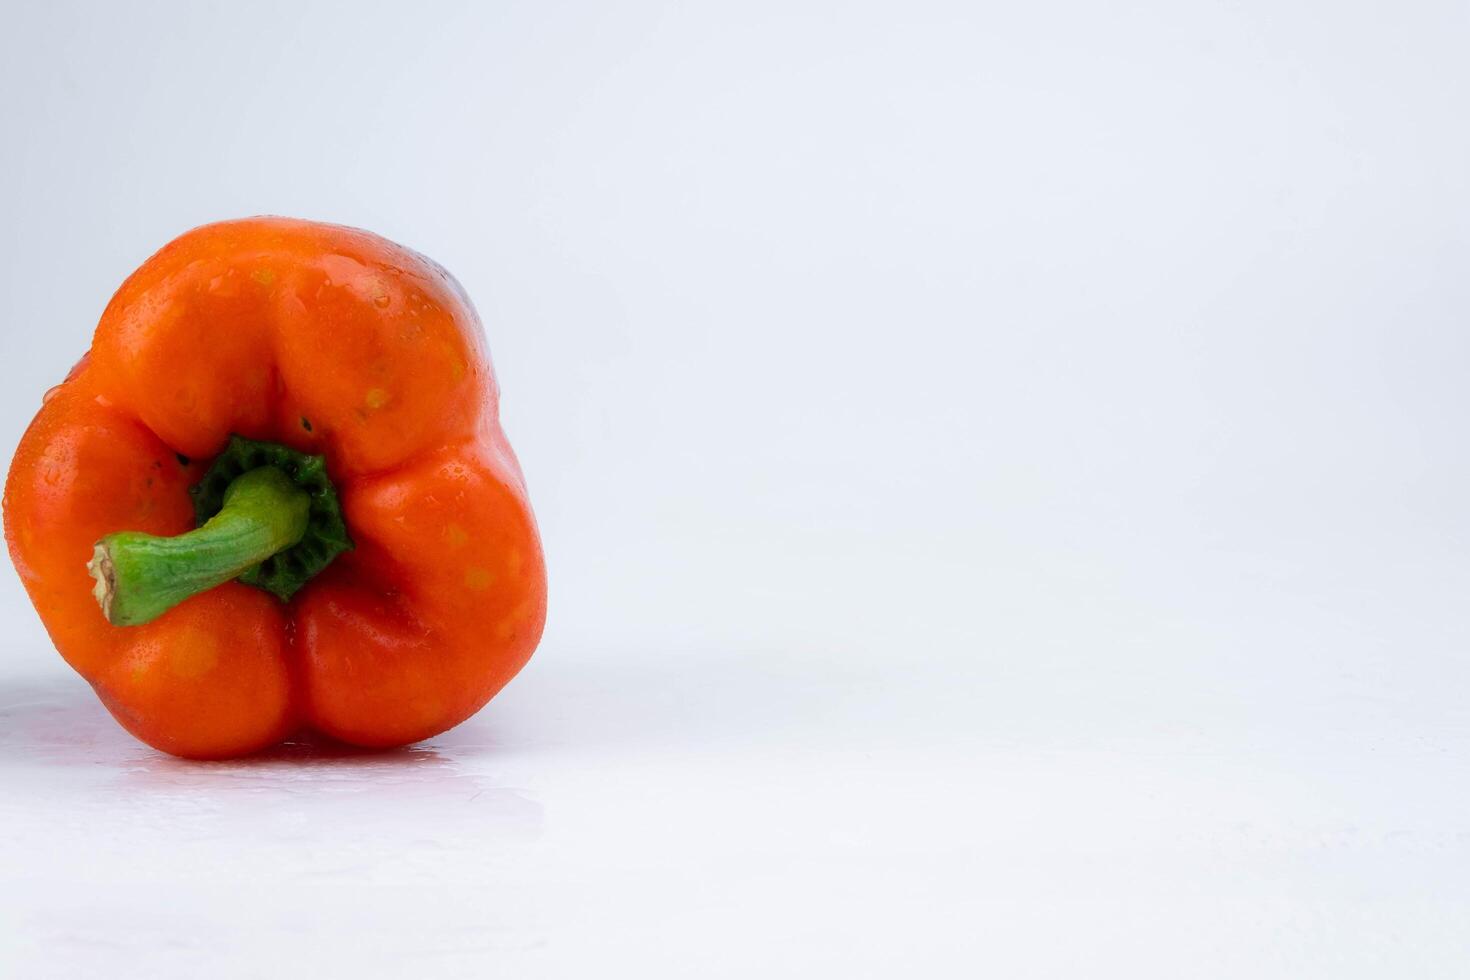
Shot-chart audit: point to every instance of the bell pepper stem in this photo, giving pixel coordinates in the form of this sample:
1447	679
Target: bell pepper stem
141	576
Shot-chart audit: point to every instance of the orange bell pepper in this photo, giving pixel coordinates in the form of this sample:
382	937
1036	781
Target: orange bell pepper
361	561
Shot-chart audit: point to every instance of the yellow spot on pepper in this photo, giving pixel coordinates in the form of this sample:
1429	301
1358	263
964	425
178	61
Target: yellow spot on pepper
478	579
427	709
193	654
456	536
507	627
452	354
376	398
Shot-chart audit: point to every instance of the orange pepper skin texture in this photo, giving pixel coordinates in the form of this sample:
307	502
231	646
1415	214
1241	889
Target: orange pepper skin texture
329	340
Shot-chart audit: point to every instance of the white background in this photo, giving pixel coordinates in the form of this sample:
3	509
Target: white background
1002	469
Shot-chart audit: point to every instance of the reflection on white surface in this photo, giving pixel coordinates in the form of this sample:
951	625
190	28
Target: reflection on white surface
57	725
116	850
890	822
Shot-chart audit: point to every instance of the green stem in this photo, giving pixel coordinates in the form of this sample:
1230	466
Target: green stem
140	577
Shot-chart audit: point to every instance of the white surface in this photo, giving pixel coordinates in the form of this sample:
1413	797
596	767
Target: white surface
1002	471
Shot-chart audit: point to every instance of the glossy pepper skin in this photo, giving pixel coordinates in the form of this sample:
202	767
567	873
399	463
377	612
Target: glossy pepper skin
328	340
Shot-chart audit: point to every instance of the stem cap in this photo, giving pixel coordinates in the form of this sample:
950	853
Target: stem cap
326	536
